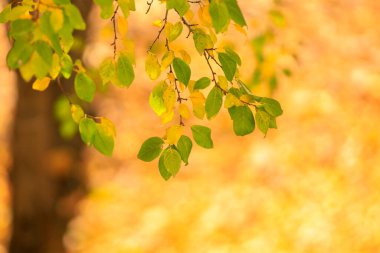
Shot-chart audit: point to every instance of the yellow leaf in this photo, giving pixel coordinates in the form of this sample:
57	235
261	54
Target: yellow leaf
184	111
77	113
108	126
198	101
158	23
189	15
204	16
152	67
171	77
173	134
122	26
56	19
190	86
41	84
167	116
55	67
223	82
241	29
185	56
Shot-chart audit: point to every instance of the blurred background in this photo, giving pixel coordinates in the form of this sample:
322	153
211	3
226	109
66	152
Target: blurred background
313	185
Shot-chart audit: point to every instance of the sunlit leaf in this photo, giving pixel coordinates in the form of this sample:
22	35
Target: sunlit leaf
150	149
202	136
84	87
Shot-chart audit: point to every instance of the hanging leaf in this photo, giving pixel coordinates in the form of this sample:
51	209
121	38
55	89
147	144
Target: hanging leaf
228	65
181	6
235	12
243	120
182	71
219	15
214	102
202	83
184	147
124	71
152	67
84	87
150	149
172	161
202	136
165	174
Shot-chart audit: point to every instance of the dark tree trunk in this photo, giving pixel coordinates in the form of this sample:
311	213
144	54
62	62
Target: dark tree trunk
46	177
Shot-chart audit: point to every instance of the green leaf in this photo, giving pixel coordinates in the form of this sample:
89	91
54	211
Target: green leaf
181	6
214	102
233	55
165	174
44	51
20	28
61	1
150	149
235	12
219	16
66	66
243	120
182	71
228	65
124	71
184	147
19	54
202	83
272	106
106	8
75	17
263	120
107	71
104	139
202	136
4	14
84	87
202	41
172	161
87	129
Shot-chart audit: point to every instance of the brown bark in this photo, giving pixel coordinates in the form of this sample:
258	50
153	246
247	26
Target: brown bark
46	177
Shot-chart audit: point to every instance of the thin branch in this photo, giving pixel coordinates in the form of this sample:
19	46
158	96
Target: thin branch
149	6
114	43
165	20
63	90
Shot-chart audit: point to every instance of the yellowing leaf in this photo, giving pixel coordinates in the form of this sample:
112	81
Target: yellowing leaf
231	100
56	19
167	59
108	126
41	84
77	113
172	31
169	98
184	111
152	67
173	134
